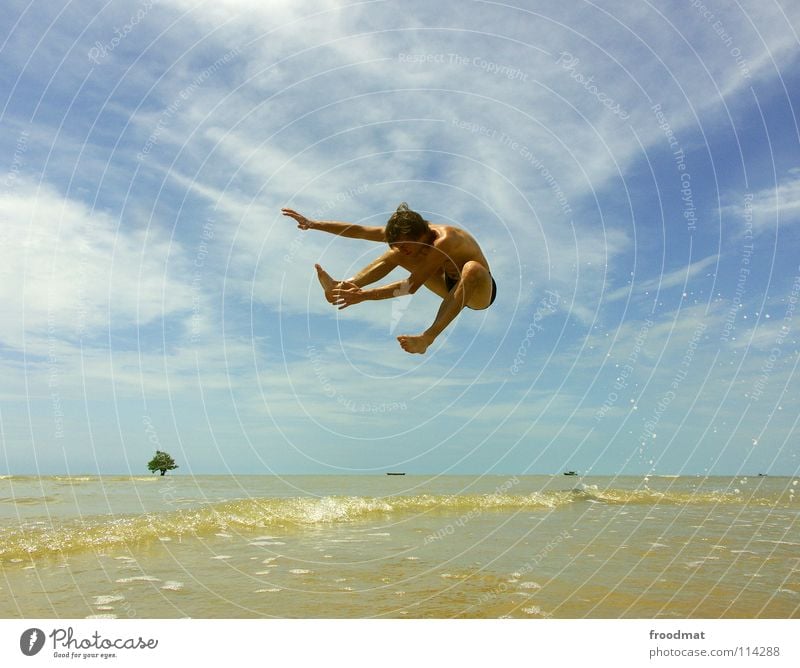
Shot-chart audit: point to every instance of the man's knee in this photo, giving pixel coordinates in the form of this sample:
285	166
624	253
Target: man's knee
477	281
473	272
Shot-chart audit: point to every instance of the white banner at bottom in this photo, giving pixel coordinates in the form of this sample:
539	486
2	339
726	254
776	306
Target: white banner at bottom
398	643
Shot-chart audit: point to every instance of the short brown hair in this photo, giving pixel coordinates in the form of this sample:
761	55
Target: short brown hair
405	224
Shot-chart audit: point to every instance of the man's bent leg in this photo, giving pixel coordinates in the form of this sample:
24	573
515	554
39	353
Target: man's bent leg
474	289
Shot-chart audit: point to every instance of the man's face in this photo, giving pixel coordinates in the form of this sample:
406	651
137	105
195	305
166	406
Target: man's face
408	247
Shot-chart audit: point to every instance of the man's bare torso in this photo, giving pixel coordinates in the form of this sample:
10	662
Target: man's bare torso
456	245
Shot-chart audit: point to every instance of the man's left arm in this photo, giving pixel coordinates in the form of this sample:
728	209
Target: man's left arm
429	266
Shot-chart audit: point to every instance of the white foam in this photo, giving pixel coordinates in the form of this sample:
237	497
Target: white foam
106	616
138	578
535	610
222	556
263	572
267	591
530	585
106	600
172	585
299	571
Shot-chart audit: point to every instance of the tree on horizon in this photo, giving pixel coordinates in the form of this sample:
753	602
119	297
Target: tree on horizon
162	462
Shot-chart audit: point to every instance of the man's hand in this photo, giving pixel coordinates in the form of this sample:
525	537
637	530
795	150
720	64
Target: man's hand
302	222
346	294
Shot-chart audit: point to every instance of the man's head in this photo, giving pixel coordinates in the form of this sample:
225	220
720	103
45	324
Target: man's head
406	230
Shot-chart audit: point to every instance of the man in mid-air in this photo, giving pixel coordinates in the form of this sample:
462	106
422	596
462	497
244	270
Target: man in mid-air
444	258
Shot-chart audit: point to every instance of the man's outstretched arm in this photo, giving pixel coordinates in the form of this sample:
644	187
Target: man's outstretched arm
336	227
375	270
348	294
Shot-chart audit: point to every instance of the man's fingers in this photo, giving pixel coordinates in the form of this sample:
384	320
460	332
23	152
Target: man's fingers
340	298
302	221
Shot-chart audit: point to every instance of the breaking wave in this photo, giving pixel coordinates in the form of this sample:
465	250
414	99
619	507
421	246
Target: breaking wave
100	532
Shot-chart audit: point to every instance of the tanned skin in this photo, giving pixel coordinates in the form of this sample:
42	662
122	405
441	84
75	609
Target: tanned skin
443	249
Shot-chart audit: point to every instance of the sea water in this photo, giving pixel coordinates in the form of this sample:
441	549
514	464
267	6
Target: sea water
399	546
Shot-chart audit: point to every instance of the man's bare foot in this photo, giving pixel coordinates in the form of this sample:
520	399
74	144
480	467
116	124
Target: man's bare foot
415	344
327	283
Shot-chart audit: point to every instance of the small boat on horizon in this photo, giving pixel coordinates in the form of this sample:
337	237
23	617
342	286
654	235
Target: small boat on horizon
570	473
395	474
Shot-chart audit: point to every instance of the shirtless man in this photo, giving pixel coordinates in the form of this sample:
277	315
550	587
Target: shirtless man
444	258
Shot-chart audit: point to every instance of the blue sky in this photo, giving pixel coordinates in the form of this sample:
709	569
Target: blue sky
632	172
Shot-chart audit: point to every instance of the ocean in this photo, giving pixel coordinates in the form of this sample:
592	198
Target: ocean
529	547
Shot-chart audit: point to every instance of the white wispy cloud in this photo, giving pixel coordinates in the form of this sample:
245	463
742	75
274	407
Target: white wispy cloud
769	208
681	276
77	272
